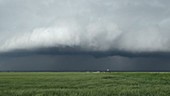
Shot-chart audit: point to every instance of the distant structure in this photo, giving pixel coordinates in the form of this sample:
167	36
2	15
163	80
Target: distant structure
107	70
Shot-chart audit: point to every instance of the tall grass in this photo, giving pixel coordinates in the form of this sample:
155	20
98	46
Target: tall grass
84	84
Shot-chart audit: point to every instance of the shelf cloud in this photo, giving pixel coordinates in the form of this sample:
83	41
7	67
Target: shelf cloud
85	35
132	26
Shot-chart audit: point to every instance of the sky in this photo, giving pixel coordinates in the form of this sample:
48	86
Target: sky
84	35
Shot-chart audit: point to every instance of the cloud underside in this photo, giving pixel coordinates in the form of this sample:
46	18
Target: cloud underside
89	26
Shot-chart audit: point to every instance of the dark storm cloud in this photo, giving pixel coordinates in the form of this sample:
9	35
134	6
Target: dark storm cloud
76	60
70	51
84	35
83	63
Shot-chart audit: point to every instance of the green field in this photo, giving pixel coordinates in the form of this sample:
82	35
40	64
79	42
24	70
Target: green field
84	84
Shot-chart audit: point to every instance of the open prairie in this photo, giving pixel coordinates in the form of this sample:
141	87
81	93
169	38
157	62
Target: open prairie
84	84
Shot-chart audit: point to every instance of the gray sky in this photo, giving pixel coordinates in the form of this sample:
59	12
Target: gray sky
84	34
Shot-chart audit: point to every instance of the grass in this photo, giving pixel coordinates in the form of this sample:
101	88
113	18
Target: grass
84	84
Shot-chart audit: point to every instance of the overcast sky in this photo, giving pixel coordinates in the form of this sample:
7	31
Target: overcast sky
85	35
